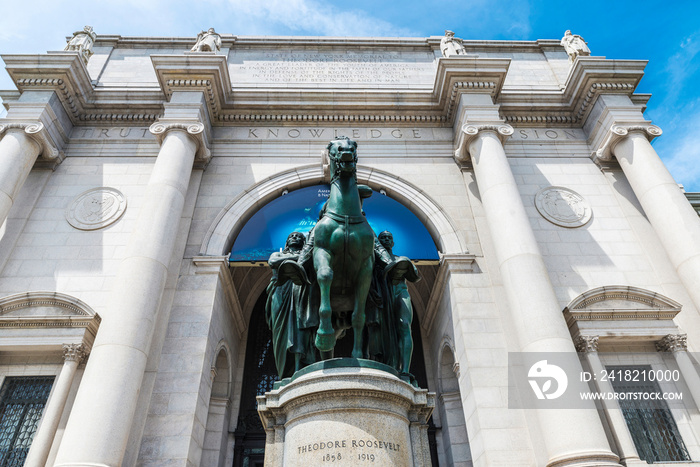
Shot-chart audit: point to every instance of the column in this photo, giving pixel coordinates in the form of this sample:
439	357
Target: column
572	437
678	344
98	428
73	354
674	220
20	146
588	345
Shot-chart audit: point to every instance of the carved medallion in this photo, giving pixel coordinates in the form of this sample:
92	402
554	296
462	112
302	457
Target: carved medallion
562	206
96	208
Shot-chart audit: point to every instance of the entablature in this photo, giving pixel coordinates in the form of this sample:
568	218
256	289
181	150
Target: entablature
232	102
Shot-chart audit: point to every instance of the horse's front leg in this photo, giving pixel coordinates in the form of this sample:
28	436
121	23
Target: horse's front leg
325	336
364	280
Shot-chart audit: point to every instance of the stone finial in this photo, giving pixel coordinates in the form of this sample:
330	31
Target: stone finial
74	352
82	42
575	46
451	45
208	41
673	343
585	344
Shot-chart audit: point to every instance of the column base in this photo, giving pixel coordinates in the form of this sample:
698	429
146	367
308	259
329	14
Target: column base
587	459
348	412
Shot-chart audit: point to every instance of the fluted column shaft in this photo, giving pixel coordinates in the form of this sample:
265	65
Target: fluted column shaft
18	152
625	444
674	220
572	437
73	354
98	428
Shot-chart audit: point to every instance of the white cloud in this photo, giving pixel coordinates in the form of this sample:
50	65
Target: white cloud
315	17
679	147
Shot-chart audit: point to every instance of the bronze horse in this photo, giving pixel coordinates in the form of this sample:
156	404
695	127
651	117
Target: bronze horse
343	252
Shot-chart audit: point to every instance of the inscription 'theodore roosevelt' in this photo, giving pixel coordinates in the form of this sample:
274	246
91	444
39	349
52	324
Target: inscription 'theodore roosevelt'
349	443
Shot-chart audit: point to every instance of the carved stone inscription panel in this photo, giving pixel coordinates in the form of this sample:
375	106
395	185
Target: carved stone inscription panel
332	67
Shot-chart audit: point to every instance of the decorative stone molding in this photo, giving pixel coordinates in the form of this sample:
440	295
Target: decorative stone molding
37	132
119	117
597	88
194	130
96	208
470	132
620	302
618	132
417	117
74	352
563	207
540	119
586	344
204	72
62	319
455	369
673	343
64	73
462	86
449	264
219	265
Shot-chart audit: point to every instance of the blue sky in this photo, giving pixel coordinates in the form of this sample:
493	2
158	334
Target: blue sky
666	34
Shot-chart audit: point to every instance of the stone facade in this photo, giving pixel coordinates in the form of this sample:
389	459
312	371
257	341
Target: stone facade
127	173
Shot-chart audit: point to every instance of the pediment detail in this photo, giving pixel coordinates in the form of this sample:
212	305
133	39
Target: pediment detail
621	302
45	305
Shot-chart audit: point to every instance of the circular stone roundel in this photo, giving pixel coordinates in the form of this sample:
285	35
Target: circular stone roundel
562	206
96	208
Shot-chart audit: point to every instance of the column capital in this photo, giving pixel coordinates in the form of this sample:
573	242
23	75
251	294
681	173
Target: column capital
74	352
586	344
618	132
471	131
673	343
38	132
196	131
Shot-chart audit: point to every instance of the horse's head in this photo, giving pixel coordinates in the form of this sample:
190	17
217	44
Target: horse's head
342	153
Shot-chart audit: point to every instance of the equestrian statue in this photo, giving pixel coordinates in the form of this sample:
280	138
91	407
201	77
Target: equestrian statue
334	272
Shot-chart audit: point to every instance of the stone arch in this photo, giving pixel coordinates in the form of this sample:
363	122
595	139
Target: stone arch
216	434
221	371
229	222
455	440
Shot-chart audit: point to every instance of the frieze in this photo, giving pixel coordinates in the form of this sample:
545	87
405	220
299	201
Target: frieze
331	67
324	134
548	134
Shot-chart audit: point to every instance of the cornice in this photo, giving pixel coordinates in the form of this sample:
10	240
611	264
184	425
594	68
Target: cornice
231	103
63	72
196	71
588	78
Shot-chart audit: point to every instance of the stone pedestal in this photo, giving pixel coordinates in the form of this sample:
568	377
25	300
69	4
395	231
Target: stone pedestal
346	412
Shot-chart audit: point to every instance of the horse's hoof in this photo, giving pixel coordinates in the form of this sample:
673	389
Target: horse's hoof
325	342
